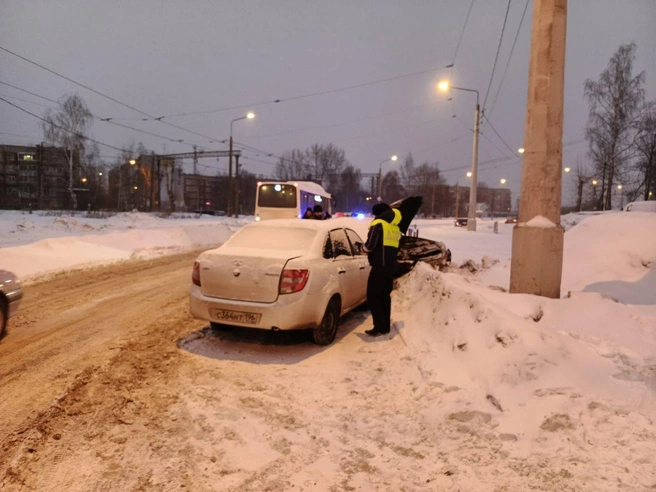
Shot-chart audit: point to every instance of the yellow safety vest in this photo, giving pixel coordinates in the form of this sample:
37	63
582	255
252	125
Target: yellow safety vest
391	232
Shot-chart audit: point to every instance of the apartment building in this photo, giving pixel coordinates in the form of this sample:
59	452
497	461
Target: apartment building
33	177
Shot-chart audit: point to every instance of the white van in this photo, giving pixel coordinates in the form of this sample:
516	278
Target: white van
644	206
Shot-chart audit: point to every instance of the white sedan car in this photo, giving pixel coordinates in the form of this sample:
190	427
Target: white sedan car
283	275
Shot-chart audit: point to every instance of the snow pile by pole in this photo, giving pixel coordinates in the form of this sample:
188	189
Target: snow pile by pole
508	372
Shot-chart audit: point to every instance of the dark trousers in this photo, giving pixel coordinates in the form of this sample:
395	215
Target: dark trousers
379	288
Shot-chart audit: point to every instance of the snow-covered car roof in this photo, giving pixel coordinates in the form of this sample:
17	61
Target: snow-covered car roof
318	225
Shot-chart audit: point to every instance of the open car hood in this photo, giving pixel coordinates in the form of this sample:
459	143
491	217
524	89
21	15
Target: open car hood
408	207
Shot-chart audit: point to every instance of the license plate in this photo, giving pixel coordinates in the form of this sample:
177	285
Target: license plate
237	316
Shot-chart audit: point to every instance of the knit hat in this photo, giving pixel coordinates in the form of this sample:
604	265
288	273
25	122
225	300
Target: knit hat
379	208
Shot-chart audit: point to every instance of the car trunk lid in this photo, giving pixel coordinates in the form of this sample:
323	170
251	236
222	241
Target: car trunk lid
235	274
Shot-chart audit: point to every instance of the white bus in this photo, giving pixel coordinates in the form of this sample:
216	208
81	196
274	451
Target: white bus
289	199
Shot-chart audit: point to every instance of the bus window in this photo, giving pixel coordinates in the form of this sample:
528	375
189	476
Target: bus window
277	196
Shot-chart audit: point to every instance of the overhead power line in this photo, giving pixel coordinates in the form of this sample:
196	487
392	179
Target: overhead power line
61	127
104	120
464	26
105	95
301	96
512	50
513	151
503	28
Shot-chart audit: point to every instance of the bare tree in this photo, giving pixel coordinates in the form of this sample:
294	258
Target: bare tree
326	163
292	165
646	147
66	128
615	101
582	177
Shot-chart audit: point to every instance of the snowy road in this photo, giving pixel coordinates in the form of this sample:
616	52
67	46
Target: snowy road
106	383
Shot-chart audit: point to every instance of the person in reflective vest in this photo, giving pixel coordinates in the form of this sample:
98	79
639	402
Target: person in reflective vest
382	247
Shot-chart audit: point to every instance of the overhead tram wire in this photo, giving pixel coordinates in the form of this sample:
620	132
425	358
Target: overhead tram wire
512	50
104	120
462	32
496	58
106	96
301	96
514	152
61	127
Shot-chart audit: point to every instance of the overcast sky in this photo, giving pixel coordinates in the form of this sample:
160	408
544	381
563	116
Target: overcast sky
167	57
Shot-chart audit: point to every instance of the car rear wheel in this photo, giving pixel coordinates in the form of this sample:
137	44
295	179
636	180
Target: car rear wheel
324	334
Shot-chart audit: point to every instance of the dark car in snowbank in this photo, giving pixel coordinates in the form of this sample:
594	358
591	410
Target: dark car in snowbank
10	295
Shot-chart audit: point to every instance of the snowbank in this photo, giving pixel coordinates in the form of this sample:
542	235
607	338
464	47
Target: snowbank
512	368
42	244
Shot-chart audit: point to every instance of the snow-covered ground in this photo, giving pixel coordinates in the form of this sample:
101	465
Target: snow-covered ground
41	242
569	381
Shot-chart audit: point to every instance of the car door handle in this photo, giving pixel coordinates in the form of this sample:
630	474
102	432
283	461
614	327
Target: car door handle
341	271
362	267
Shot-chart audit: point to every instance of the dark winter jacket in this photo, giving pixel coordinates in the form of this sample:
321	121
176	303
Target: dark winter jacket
379	255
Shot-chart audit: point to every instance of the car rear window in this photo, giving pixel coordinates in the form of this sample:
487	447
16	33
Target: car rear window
276	238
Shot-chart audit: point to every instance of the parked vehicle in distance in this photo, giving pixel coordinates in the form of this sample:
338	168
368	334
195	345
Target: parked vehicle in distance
511	220
644	206
10	295
289	199
283	275
462	222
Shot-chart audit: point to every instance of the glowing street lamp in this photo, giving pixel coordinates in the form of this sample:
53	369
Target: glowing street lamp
595	182
469	174
521	150
99	174
471	218
503	181
84	180
380	173
233	194
132	162
567	169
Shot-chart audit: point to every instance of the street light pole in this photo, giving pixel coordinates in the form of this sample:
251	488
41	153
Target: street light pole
471	216
231	185
380	174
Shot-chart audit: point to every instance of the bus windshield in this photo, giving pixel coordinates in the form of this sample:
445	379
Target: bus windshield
277	196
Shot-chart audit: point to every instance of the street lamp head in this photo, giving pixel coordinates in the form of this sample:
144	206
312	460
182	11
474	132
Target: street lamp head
521	150
132	162
394	158
469	174
443	85
84	180
250	115
136	187
567	169
619	187
503	181
594	182
99	174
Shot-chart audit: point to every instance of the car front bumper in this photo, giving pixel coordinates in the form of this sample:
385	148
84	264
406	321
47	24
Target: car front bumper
288	312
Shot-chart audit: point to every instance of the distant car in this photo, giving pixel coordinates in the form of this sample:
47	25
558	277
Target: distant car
10	295
511	220
460	222
283	274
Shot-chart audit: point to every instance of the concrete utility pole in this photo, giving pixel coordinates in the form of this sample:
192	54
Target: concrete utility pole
537	248
471	216
237	190
457	199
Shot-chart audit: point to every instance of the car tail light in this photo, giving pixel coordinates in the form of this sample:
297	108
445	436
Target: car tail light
293	281
195	275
